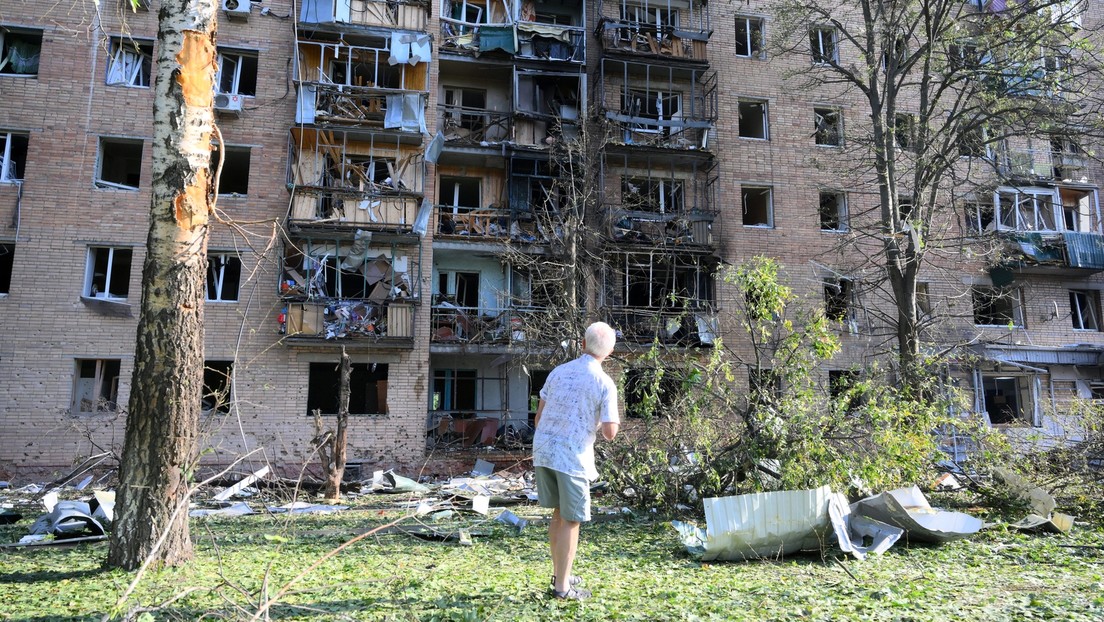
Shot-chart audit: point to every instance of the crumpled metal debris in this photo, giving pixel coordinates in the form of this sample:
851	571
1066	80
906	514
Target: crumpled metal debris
908	509
68	519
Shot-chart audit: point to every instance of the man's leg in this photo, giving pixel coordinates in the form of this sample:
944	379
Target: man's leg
563	538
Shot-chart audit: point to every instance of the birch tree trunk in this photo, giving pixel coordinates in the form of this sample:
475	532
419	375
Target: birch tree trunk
159	450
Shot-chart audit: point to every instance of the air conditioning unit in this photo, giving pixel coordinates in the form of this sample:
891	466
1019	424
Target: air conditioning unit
237	9
228	104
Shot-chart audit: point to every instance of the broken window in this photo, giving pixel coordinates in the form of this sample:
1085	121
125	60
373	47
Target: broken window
465	108
1067	157
96	386
656	105
130	62
7	261
537	378
235	169
460	288
13	156
120	164
237	72
833	211
757	208
838	292
822	44
749	36
459	192
223	277
904	131
455	389
1009	398
367	388
979	217
828	126
965	55
843	383
996	306
764	386
1085	309
107	273
20	51
1029	209
217	376
898	52
752	118
662	196
650	392
971	142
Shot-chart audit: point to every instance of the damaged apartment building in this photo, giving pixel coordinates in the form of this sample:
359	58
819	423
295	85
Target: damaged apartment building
395	173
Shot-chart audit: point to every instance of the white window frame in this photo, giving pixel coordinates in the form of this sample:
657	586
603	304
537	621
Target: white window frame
820	113
819	54
842	212
234	56
770	207
1082	301
669	193
766	118
1014	293
760	28
90	267
1027	218
96	384
219	274
6	163
661	114
5	60
124	67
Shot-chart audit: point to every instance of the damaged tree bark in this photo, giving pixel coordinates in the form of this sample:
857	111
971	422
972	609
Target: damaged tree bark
159	451
333	451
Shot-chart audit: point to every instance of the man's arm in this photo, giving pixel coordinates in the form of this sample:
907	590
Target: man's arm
540	409
609	430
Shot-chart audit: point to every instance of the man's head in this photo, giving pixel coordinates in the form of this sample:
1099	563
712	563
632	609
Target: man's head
598	340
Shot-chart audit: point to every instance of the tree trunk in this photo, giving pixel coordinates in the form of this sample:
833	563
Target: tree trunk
159	450
335	470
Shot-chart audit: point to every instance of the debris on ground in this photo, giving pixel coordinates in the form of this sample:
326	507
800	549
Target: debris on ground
908	509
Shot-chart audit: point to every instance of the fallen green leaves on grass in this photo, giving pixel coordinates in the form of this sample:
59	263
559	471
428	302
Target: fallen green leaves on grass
636	568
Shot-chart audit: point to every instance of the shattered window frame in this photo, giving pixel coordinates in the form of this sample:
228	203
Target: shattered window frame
104	278
827	126
218	386
763	216
243	65
95	386
223	283
112	160
832	211
234	180
130	63
7	265
13	155
1085	309
997	306
824	45
839	298
25	38
747	107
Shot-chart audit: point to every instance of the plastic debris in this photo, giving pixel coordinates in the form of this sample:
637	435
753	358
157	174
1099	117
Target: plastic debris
240	508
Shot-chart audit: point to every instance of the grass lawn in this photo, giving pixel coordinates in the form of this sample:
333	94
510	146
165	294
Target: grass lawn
636	568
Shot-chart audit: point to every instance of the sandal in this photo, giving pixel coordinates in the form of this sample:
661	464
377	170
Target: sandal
572	593
572	582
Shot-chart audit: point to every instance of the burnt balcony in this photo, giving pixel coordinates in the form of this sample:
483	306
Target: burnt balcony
655	105
472	127
644	326
1045	228
350	323
660	29
401	14
453	324
630	225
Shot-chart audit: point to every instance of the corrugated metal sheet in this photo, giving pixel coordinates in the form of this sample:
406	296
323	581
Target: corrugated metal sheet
767	524
1045	356
1084	250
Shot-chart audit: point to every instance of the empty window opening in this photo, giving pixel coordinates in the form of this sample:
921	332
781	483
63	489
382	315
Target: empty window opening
455	390
838	293
1085	309
828	128
367	388
465	109
13	156
130	62
843	383
237	73
1008	399
120	164
661	196
217	377
979	217
822	45
994	306
752	119
223	277
651	393
460	193
356	66
235	169
537	378
7	262
107	274
904	131
655	105
923	299
757	207
833	211
20	51
96	386
749	37
461	288
971	142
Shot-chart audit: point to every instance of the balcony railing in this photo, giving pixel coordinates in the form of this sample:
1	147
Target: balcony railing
389	109
653	40
450	323
1067	250
1042	164
529	40
361	320
641	325
403	14
677	228
475	126
471	222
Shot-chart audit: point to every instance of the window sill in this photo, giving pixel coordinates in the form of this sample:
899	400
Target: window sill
824	146
834	231
1002	326
758	226
19	75
755	138
107	185
126	86
221	302
112	307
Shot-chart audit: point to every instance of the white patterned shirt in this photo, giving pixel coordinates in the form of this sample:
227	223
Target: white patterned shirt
578	397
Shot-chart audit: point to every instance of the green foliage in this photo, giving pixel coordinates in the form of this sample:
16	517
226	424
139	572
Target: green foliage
745	422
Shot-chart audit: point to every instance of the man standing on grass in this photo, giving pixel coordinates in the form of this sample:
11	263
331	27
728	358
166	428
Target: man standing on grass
577	400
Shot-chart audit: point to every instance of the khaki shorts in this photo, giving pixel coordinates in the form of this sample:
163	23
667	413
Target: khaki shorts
571	495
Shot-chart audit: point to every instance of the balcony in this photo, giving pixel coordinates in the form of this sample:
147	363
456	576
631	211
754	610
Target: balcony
1045	228
466	127
663	29
514	28
1061	162
656	105
347	322
342	179
644	326
452	324
656	228
401	14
